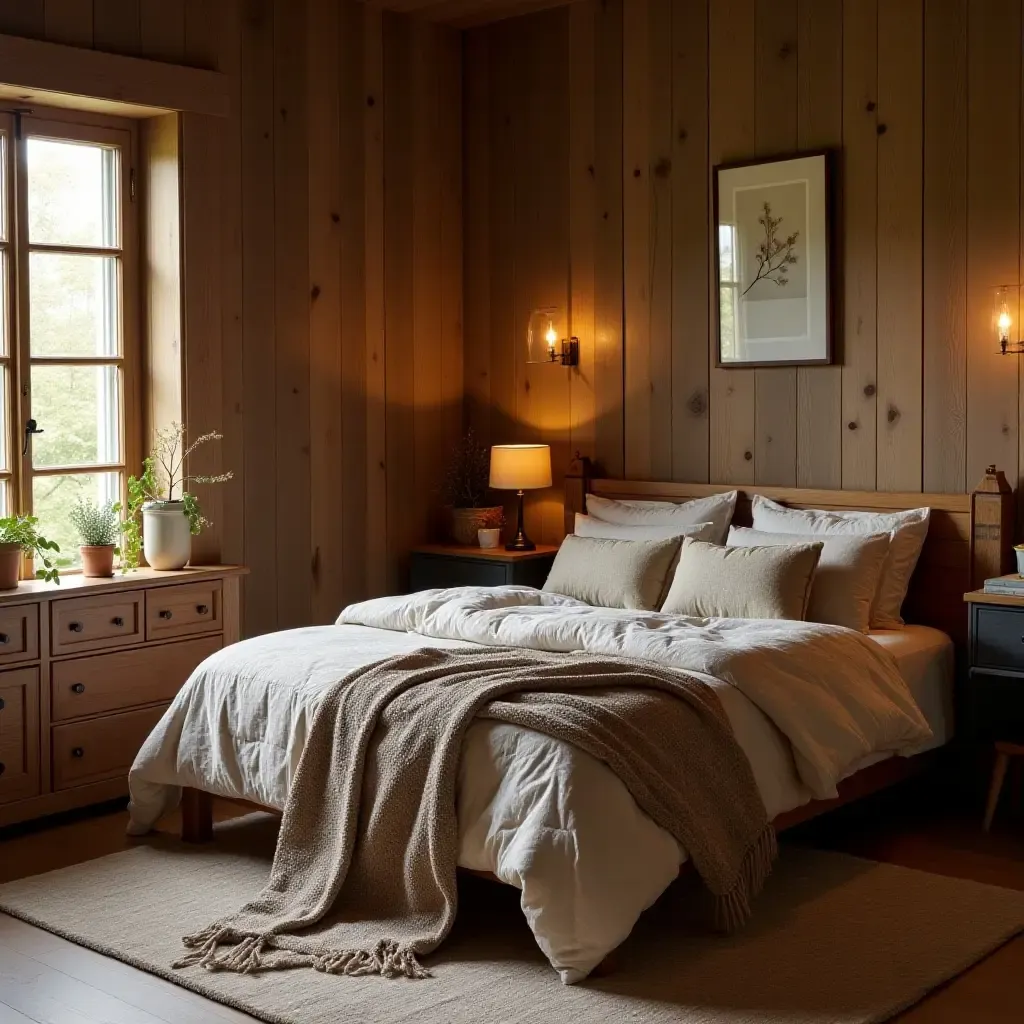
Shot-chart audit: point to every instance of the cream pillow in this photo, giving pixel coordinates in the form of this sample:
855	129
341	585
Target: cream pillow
743	583
907	531
612	573
588	526
846	578
716	509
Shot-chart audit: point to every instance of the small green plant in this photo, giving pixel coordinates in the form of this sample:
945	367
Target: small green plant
22	530
163	479
97	525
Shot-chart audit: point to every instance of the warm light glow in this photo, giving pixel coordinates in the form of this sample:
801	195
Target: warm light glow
1003	317
1004	324
520	467
551	337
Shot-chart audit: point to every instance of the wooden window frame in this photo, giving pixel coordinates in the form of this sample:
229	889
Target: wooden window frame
83	126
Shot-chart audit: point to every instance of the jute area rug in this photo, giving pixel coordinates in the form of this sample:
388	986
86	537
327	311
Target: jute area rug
833	939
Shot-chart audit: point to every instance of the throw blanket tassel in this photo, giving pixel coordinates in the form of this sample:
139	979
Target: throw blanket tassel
387	959
732	909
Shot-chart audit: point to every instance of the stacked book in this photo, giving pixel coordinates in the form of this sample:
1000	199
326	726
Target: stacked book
1012	586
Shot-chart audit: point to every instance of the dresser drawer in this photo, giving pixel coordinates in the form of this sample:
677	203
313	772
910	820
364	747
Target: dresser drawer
19	634
102	748
998	640
126	679
19	734
183	610
88	623
427	572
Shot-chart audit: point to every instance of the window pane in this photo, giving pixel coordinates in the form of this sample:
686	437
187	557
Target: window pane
3	187
53	498
4	385
5	285
77	408
72	193
74	305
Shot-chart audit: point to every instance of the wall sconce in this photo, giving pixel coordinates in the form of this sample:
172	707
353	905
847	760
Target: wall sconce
1002	318
544	344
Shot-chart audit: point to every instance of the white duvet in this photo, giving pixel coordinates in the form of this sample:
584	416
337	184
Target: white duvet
808	704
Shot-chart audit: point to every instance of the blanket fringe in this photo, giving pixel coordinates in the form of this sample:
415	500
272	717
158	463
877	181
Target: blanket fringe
248	954
732	909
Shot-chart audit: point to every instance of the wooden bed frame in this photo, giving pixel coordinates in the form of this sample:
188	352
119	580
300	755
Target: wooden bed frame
969	539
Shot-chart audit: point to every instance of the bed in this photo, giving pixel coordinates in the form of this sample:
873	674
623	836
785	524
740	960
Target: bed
538	814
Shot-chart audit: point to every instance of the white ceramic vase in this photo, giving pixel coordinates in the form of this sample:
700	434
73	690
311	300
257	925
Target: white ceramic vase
166	537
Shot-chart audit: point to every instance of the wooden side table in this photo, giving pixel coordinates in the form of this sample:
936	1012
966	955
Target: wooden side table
996	681
453	565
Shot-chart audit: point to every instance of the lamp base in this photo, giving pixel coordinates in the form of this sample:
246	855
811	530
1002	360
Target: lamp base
520	542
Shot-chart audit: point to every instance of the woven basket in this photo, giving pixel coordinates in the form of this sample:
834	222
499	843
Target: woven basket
466	521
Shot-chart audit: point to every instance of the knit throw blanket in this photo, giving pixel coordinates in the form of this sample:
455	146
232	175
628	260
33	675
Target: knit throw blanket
364	874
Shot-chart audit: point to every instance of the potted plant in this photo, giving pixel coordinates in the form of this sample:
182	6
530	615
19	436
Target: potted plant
467	490
18	537
162	517
98	527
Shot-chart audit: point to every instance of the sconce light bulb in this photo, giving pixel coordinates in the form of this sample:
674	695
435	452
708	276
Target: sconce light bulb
551	337
1004	323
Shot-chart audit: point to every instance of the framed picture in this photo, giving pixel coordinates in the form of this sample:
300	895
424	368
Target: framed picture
772	262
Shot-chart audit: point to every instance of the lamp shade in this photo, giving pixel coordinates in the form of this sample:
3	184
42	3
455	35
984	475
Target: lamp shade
520	467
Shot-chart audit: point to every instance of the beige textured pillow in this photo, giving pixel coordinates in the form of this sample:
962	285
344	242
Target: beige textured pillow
846	578
743	583
907	530
612	573
588	526
716	509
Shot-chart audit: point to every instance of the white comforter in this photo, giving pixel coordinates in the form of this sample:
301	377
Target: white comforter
808	704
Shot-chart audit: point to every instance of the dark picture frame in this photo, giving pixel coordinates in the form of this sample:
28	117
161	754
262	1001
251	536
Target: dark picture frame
773	224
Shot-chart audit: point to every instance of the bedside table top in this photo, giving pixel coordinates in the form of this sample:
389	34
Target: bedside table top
485	554
1007	600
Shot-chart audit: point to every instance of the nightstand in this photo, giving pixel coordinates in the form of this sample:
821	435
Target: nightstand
996	681
452	565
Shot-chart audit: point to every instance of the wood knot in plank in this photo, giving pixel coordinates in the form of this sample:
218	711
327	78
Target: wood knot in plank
663	168
636	172
371	101
683	134
748	456
869	390
893	414
882	129
335	218
590	170
314	292
786	50
698	403
852	425
870	106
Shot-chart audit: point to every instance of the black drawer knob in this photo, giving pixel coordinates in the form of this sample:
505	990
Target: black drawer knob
117	620
78	687
75	627
78	752
3	767
165	613
3	703
4	638
202	609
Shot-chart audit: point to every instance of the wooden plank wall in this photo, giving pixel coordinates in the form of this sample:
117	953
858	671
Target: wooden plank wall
322	276
922	100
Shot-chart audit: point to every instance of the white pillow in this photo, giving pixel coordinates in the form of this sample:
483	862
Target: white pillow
716	509
908	531
588	526
846	579
612	573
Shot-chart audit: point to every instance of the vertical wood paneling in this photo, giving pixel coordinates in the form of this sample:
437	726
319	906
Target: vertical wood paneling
691	217
608	316
354	108
636	235
776	119
477	233
399	369
376	421
583	199
259	127
993	226
900	190
732	136
860	212
162	27
23	18
115	26
944	337
820	125
325	350
68	21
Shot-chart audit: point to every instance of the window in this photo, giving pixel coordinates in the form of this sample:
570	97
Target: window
69	349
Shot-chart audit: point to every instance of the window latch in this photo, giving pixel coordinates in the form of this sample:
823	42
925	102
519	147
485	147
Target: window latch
30	429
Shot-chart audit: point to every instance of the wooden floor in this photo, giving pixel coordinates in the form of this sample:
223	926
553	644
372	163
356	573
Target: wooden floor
45	980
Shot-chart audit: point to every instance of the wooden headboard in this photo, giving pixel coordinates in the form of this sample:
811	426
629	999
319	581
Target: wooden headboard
970	536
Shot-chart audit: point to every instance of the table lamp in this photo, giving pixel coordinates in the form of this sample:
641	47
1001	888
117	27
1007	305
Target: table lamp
520	467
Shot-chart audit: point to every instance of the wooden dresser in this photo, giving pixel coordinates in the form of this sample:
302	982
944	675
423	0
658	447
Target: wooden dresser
86	670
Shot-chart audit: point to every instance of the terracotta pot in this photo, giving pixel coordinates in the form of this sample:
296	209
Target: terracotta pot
10	566
466	521
97	559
